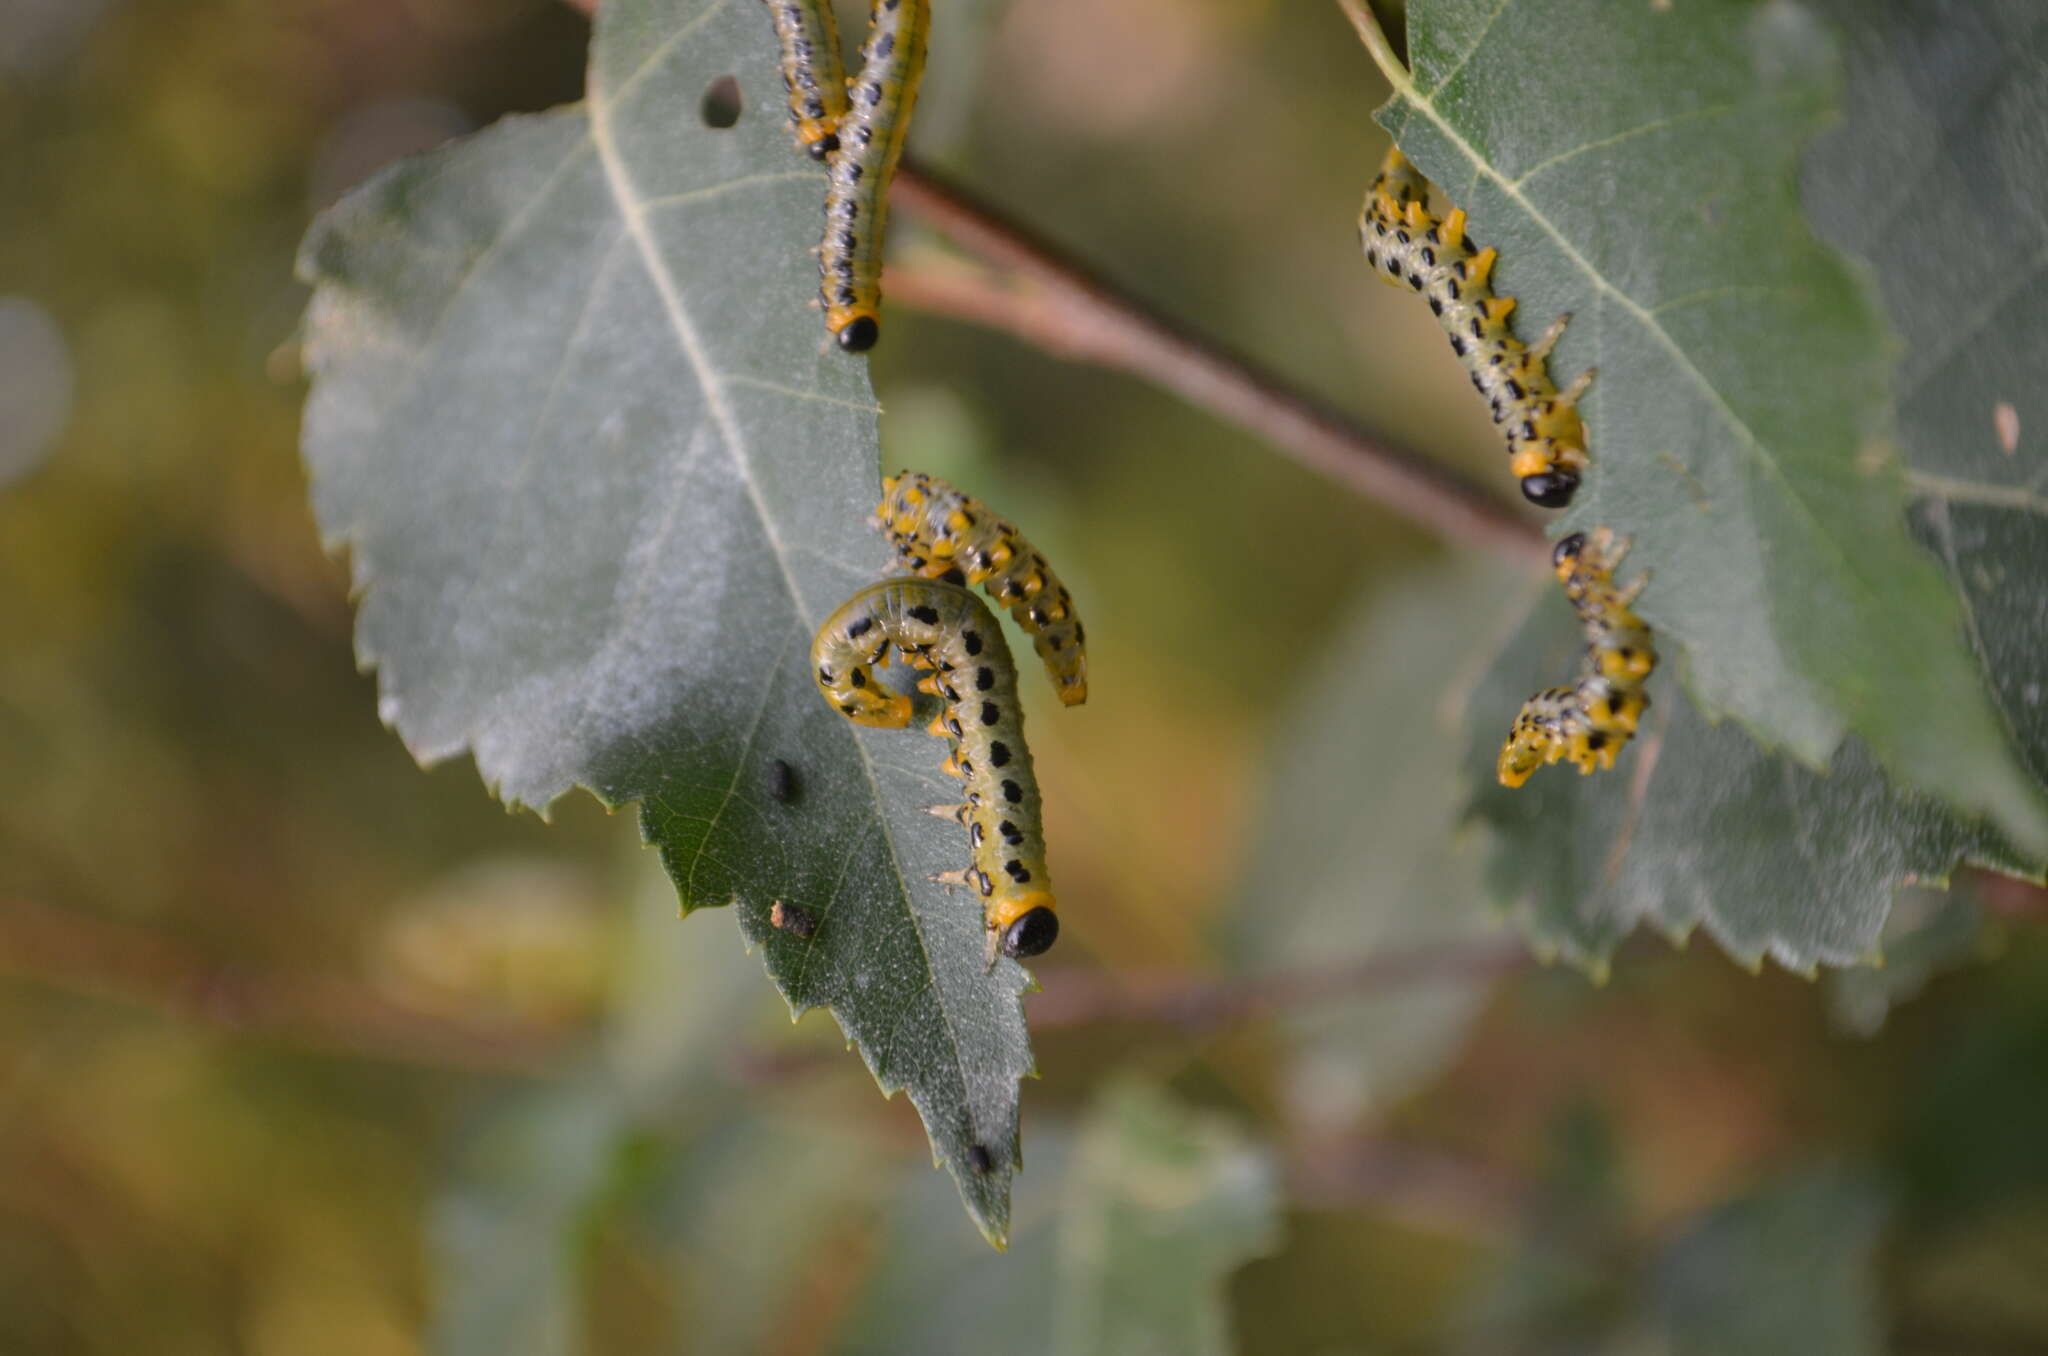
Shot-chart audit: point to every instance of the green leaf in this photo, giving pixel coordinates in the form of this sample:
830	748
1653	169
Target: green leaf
573	419
507	1229
1789	1270
1934	180
1152	1205
749	1211
1634	165
1358	854
1790	1267
537	1167
1698	826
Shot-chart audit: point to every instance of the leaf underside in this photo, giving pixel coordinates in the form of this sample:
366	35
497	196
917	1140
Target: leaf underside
600	481
1635	166
1696	827
1935	182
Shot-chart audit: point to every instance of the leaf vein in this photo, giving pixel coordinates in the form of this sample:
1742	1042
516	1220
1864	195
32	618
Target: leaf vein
1643	129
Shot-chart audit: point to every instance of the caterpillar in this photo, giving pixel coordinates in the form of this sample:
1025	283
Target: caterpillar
1588	724
812	73
870	145
941	533
941	627
1405	245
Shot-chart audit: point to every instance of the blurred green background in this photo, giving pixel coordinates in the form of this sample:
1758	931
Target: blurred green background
298	1044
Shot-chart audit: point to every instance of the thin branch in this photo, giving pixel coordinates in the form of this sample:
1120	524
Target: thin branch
1035	292
77	954
1074	997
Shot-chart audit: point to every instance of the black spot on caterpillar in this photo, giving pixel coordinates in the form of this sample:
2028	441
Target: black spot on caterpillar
794	919
935	530
781	781
1588	724
928	622
1407	247
808	36
870	144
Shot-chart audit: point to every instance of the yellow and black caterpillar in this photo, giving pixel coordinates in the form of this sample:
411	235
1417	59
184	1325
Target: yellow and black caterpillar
857	128
811	71
941	627
950	540
1406	246
941	533
1589	723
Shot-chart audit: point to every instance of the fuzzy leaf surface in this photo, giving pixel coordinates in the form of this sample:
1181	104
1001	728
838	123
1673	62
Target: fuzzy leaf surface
1635	166
1934	180
1697	826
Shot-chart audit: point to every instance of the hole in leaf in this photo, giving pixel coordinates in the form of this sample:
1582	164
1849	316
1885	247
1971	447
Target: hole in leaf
721	106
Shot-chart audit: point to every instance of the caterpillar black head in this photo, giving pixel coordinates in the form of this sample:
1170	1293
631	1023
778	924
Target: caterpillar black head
1550	489
859	334
1031	935
1567	549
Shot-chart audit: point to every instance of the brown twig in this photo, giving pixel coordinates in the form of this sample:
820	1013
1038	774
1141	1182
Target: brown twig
1034	291
78	954
1075	997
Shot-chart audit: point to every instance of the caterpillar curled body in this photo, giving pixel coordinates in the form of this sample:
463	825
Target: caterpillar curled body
941	533
1588	724
1406	246
812	72
941	627
870	145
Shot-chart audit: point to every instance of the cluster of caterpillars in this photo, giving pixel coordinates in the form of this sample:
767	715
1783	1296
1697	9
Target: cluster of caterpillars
948	540
940	533
1588	723
856	127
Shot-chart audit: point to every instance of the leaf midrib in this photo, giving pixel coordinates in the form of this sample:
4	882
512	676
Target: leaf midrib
632	210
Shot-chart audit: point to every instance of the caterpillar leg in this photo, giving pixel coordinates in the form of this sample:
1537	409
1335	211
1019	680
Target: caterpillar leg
1540	350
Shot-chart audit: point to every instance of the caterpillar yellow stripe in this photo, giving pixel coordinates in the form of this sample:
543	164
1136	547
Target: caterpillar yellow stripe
1589	723
942	628
812	72
941	533
1406	246
870	146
